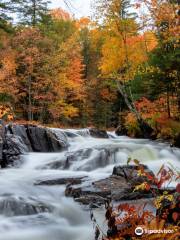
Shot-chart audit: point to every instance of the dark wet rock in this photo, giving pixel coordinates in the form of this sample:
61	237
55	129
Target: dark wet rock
70	134
129	194
20	139
87	195
110	184
17	206
13	148
21	131
130	173
46	140
39	139
93	200
58	139
61	181
98	133
117	187
121	130
97	192
2	130
177	141
146	130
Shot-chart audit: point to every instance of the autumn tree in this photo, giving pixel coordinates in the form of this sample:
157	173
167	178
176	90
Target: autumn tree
164	60
101	95
32	71
8	78
123	50
69	83
67	66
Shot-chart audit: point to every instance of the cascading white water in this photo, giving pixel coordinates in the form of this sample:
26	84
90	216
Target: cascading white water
31	212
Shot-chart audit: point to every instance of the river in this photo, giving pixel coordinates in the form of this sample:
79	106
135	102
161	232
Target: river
32	212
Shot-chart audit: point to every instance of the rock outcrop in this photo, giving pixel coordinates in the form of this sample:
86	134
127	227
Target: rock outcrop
177	141
16	140
98	133
119	186
18	206
2	129
61	181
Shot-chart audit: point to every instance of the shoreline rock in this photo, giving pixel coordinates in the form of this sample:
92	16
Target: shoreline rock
16	140
97	133
118	187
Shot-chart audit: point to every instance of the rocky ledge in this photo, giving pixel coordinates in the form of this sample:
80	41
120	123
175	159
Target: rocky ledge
117	187
16	140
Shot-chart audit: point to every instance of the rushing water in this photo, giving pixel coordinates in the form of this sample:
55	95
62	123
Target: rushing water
32	212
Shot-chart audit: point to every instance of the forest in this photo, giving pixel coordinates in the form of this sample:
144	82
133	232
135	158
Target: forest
90	120
116	69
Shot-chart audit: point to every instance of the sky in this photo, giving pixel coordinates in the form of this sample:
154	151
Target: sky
78	7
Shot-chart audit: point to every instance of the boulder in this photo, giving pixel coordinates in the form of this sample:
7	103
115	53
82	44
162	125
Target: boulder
21	131
13	147
2	130
130	173
57	139
117	187
97	192
98	133
60	181
18	206
121	130
20	139
39	139
177	141
128	194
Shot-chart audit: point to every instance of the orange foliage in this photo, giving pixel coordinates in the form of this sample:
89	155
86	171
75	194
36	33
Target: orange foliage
60	14
124	218
6	113
155	113
163	12
8	78
83	22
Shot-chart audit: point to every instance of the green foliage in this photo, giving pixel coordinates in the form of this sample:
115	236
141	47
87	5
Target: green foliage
30	12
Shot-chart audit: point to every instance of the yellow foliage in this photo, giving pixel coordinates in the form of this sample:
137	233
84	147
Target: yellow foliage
6	112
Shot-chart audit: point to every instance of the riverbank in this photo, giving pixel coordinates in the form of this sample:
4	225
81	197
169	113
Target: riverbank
62	173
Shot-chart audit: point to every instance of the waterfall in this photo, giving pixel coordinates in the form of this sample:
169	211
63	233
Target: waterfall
30	211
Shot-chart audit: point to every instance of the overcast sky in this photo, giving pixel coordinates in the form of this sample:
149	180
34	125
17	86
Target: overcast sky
79	7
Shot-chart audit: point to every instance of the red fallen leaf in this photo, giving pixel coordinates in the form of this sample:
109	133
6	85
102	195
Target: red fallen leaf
175	216
149	177
148	187
178	188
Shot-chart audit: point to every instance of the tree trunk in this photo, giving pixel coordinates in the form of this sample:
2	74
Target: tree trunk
144	126
168	104
34	13
29	100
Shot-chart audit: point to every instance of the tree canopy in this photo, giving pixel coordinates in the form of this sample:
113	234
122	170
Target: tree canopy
116	67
